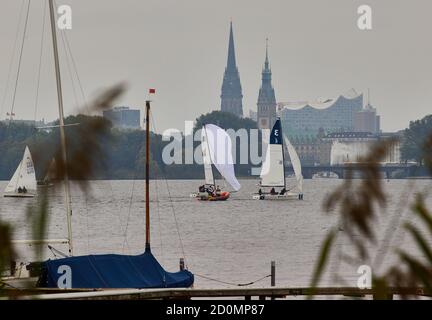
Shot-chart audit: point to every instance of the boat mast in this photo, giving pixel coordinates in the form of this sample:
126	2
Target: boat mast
211	161
283	152
147	168
61	120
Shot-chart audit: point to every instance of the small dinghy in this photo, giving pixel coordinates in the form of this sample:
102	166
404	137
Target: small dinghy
216	150
23	182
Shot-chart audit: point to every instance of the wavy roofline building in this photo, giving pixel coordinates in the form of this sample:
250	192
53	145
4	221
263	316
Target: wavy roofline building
344	113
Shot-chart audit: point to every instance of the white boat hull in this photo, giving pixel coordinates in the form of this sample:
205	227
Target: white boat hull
286	196
19	195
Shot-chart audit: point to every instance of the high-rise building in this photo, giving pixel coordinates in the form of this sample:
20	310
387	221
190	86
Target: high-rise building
266	106
231	97
367	120
123	117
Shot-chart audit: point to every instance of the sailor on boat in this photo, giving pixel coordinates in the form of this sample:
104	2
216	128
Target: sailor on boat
22	190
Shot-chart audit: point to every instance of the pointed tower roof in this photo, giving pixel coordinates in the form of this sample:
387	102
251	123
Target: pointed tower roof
266	93
231	63
266	63
231	97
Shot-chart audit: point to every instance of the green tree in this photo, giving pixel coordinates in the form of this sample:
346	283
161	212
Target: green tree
413	143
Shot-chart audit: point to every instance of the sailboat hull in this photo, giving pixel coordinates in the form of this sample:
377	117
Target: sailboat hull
18	195
286	196
204	196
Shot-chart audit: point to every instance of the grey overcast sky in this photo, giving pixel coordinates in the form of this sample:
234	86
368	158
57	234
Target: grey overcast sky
180	48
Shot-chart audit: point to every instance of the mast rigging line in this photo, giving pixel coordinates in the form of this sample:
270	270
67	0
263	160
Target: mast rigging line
74	67
232	283
12	58
40	60
69	69
131	197
171	203
20	57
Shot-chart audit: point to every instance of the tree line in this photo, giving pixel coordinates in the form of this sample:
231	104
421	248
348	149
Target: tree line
122	155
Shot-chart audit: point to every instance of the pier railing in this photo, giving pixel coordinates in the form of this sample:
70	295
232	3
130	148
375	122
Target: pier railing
190	293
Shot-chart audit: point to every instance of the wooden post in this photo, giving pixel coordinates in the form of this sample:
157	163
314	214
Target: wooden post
272	275
13	265
182	264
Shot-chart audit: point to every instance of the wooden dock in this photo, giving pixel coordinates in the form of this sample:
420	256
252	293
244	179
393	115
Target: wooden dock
190	293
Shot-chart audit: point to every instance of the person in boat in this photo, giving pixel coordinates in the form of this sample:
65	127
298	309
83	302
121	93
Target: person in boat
218	191
210	191
273	191
260	192
20	190
24	190
202	188
283	191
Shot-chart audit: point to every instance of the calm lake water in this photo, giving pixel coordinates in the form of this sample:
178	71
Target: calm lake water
233	241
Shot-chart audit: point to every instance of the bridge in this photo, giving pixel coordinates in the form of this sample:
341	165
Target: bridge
399	170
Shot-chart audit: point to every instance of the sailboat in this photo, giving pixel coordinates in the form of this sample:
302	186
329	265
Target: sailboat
49	176
273	169
107	270
216	150
23	182
113	270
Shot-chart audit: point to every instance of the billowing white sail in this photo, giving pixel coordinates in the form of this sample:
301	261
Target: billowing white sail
273	172
24	176
296	164
208	172
220	147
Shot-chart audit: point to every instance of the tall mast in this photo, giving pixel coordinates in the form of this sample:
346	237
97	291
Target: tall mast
61	119
147	168
211	161
283	152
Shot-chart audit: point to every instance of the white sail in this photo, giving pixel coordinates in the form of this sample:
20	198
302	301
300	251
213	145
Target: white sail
220	147
208	172
296	164
13	183
24	176
272	171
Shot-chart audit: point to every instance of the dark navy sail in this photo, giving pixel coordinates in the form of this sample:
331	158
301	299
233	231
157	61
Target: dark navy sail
111	271
276	133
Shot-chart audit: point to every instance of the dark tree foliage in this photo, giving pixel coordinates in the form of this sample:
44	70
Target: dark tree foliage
120	153
415	139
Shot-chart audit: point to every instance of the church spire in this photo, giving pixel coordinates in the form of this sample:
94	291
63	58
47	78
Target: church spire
266	111
231	97
231	63
266	63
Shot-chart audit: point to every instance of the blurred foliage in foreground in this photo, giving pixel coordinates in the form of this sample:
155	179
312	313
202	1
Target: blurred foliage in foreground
360	204
86	153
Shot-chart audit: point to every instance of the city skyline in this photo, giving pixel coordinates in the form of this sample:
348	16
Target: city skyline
320	58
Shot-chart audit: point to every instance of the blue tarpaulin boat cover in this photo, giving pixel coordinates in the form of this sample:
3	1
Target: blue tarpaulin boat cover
111	271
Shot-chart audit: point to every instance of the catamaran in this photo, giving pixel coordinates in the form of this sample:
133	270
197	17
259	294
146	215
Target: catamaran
216	150
273	169
23	182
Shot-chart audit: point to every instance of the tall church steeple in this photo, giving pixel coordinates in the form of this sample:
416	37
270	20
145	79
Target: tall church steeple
266	113
231	97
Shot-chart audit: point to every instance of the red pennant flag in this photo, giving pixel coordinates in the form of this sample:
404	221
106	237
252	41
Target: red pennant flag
152	90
